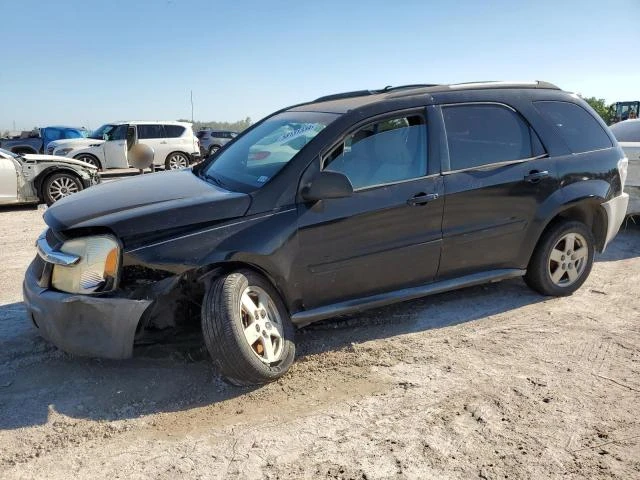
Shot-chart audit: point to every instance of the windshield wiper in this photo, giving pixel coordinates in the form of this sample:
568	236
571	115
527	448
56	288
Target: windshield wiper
215	180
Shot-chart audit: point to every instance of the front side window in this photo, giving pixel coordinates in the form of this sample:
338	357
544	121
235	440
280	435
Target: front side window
100	132
117	133
257	156
483	134
577	127
382	152
174	131
150	131
627	131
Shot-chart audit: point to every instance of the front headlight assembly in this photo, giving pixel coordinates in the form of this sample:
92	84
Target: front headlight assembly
95	268
62	152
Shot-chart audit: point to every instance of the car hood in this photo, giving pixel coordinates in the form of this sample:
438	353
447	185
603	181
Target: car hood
75	142
147	204
54	159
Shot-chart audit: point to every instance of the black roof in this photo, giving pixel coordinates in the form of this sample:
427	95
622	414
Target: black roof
343	102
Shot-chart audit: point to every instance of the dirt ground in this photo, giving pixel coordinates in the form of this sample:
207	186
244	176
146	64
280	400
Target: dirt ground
487	382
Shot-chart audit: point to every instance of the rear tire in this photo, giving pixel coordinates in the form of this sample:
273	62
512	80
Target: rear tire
562	259
60	185
176	161
213	150
247	329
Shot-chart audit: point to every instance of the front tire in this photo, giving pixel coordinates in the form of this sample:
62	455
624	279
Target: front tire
562	260
60	185
247	329
90	159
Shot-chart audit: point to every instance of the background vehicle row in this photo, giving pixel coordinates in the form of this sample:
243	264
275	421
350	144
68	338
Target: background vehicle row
174	144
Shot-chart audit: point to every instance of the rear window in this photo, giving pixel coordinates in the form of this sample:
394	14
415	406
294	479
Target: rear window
627	131
173	131
150	131
483	134
577	127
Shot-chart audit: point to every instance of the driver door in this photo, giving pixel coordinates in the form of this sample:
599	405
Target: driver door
387	235
115	148
8	181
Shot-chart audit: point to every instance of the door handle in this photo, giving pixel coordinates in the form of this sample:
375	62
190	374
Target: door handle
163	143
422	199
535	176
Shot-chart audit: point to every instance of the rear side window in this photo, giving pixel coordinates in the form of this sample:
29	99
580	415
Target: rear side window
577	127
480	135
150	131
173	131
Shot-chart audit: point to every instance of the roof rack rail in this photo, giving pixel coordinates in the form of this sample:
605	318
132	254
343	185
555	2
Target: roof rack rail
504	84
364	93
414	85
339	96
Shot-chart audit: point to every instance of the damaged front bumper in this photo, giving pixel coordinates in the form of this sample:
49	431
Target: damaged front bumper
81	324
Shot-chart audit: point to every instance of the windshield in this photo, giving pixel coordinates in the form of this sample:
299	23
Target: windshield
628	131
257	156
73	133
99	133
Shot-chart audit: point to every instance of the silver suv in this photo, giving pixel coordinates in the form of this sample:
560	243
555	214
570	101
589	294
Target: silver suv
213	140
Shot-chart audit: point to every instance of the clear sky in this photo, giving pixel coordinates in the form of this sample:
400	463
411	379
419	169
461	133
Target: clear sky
89	62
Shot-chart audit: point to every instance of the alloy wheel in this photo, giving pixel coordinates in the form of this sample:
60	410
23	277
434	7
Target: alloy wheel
177	161
262	324
62	187
568	259
89	160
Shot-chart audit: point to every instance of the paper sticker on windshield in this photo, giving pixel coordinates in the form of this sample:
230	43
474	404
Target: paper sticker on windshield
263	179
296	133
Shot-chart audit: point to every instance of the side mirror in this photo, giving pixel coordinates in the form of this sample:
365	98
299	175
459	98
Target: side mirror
325	185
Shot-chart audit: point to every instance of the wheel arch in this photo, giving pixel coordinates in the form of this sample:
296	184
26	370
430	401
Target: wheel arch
41	178
210	272
87	154
26	149
586	210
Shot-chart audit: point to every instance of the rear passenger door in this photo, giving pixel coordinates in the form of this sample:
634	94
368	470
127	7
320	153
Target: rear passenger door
153	135
497	177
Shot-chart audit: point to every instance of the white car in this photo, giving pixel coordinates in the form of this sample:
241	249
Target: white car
174	144
628	135
32	178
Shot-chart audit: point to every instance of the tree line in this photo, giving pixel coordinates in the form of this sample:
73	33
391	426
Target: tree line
237	126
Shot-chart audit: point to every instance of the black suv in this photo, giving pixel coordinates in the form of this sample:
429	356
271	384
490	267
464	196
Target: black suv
348	202
213	140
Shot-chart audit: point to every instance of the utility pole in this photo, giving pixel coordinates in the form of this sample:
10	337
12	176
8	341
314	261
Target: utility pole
191	106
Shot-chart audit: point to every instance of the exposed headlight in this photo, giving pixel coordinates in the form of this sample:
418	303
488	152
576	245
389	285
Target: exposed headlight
62	151
97	269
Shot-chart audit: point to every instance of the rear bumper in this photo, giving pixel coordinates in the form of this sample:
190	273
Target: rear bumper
616	210
81	324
